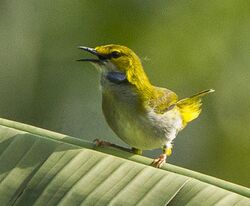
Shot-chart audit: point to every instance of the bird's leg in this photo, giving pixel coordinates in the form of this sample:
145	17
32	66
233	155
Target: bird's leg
166	151
136	151
102	143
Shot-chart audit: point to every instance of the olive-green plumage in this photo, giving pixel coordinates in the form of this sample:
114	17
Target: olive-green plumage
142	115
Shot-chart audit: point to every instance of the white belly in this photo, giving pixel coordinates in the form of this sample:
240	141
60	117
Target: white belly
148	132
139	128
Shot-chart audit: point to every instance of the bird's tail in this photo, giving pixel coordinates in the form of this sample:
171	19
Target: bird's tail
190	107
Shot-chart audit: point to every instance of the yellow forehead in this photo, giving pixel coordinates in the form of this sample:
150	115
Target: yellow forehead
107	49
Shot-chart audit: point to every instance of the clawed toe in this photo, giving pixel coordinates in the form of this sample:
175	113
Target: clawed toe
158	163
99	143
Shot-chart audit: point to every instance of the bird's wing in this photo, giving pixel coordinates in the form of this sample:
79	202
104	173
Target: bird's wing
190	108
163	100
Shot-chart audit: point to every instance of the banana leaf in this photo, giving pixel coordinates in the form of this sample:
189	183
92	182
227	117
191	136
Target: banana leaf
41	167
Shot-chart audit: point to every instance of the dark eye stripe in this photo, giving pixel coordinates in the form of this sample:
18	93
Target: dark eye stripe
101	57
114	54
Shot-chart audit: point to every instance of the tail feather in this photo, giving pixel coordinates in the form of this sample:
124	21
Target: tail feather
190	107
202	93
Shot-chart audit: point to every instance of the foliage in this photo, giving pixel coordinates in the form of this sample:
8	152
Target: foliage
40	167
186	46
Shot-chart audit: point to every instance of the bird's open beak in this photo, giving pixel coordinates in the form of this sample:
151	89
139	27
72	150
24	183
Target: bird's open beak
92	51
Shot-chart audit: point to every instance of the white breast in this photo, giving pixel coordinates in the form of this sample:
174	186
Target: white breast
170	122
143	129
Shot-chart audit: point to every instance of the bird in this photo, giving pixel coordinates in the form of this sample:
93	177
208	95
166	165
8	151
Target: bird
144	116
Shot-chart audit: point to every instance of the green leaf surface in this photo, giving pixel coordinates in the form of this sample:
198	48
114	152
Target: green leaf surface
40	167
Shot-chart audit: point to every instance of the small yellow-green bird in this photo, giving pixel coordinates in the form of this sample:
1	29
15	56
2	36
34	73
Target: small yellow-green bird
143	115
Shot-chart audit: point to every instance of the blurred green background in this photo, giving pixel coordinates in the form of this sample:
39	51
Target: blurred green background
186	46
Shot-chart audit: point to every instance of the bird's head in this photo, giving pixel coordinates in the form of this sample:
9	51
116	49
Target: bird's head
120	56
121	59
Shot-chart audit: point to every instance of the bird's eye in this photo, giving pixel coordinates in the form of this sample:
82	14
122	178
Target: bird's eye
115	54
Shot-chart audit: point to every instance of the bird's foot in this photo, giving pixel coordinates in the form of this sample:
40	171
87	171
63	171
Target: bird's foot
102	143
99	143
158	163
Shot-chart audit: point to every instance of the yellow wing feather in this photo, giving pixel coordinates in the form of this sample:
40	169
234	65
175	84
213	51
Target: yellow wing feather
190	108
162	99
